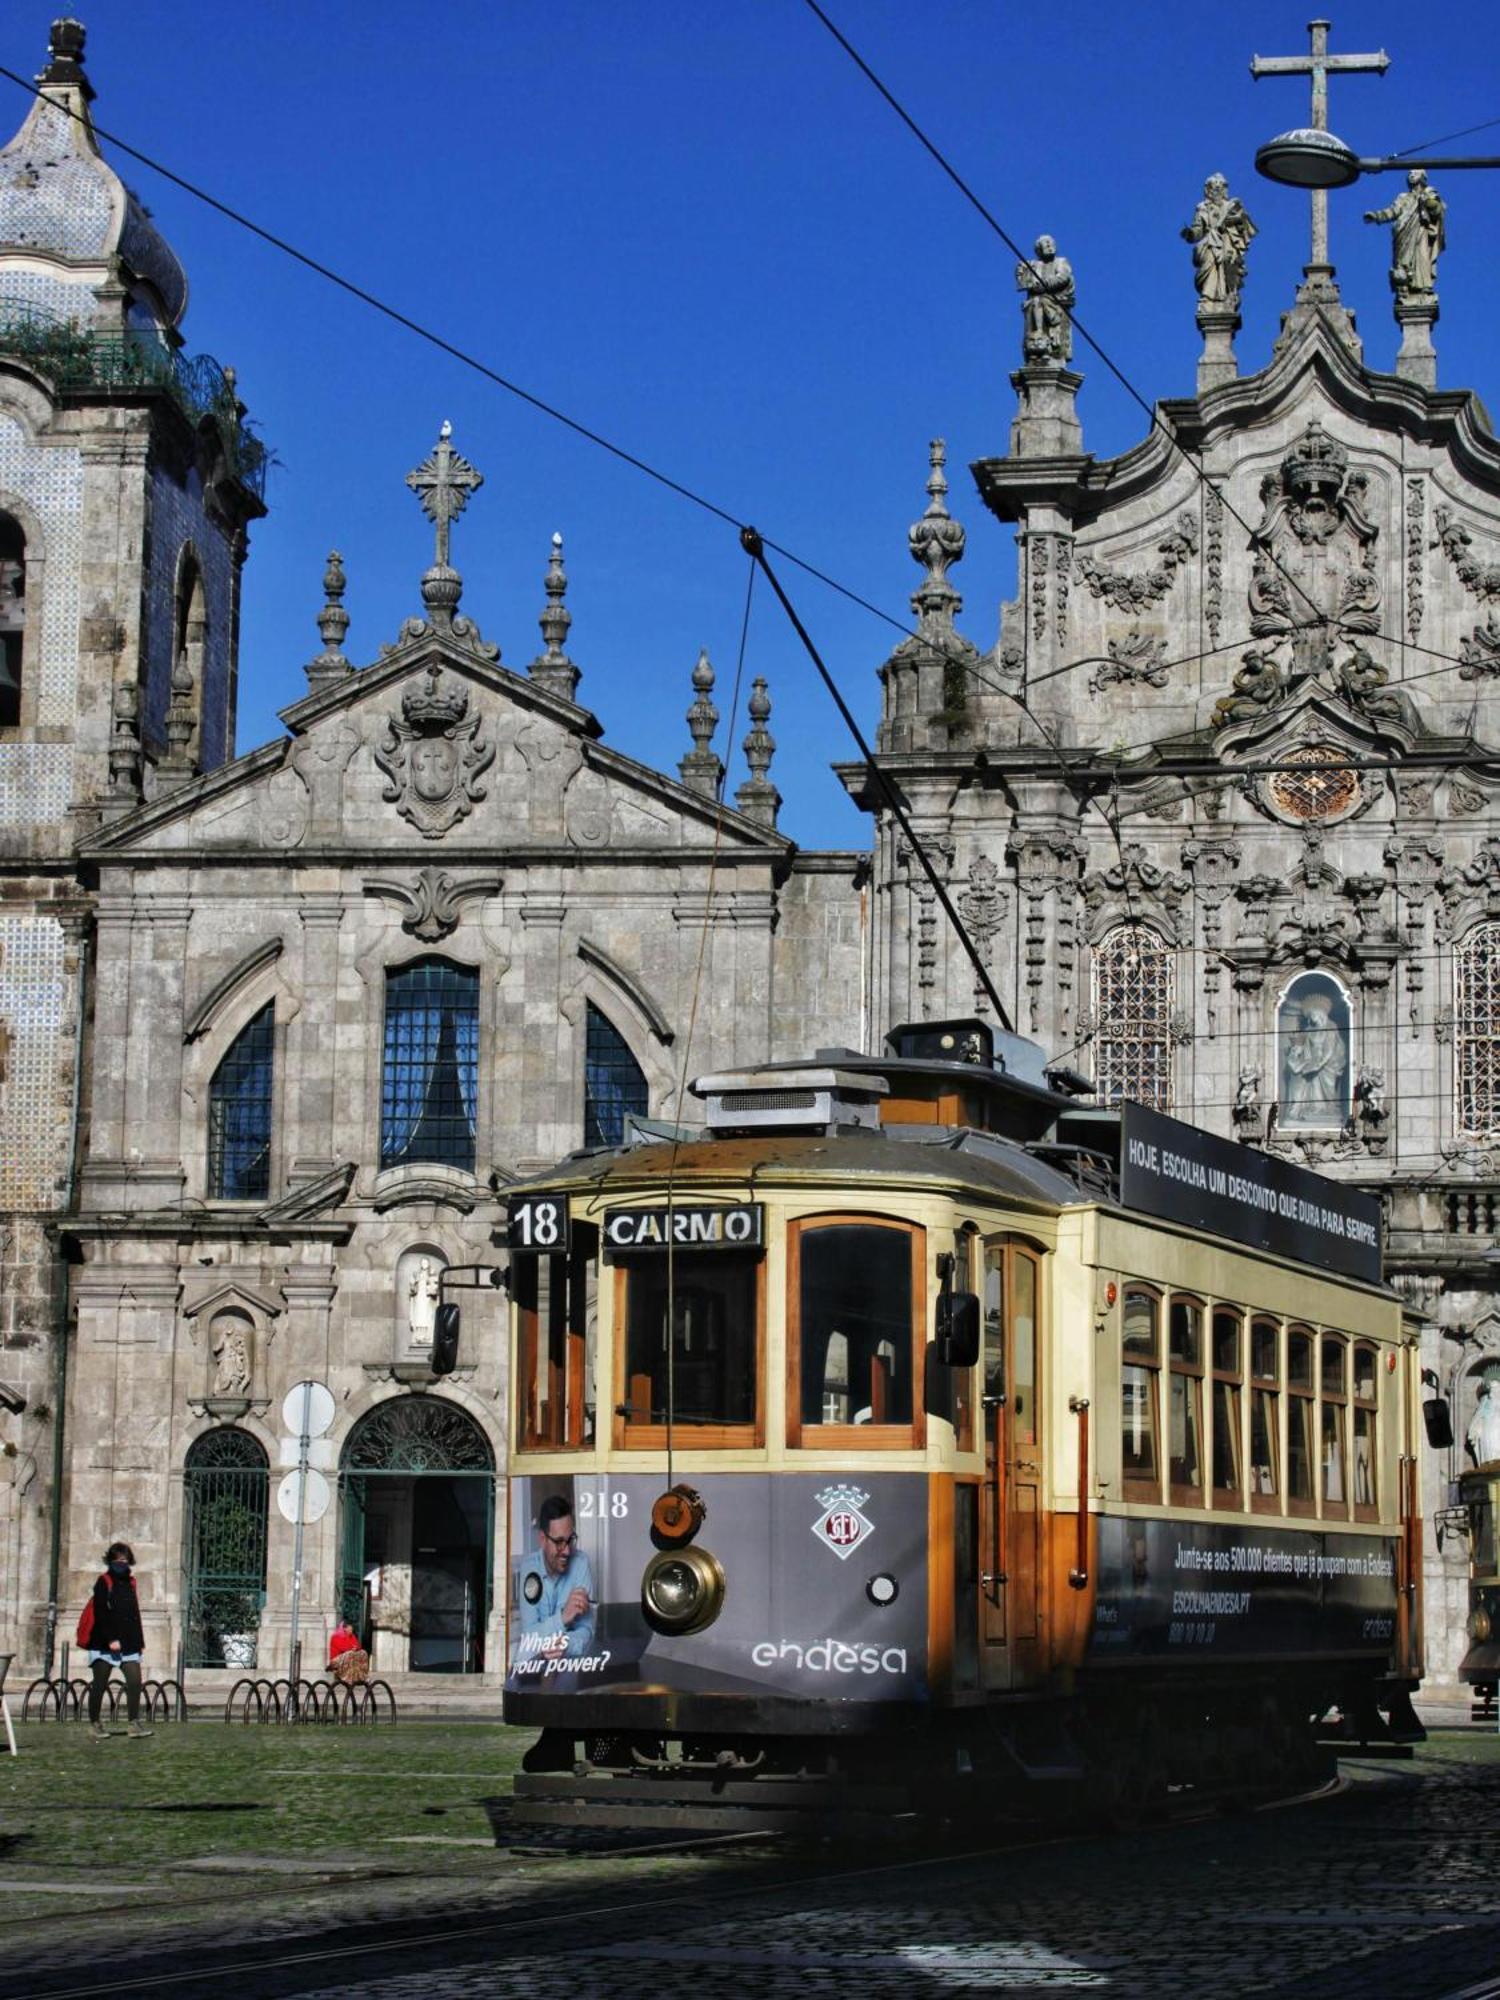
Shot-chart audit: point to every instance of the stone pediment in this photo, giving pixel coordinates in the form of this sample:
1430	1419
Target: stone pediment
433	754
247	1297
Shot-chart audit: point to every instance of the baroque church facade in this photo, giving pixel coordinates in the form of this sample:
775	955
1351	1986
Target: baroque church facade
278	1029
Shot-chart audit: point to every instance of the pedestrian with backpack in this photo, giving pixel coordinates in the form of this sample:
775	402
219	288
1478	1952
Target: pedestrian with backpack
110	1629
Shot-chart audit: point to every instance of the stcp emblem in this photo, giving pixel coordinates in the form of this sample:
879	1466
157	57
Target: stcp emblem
842	1526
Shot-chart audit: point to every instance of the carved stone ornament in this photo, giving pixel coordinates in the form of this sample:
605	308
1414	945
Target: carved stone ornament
433	905
1480	652
1132	891
433	755
1135	659
1480	579
1134	593
1314	575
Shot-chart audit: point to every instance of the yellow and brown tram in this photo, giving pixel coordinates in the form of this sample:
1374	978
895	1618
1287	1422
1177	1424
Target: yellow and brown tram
918	1427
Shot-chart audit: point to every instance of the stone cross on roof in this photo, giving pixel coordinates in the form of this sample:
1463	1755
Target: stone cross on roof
1318	64
443	483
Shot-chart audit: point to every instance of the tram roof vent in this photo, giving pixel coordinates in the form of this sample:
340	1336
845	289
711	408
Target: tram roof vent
805	1098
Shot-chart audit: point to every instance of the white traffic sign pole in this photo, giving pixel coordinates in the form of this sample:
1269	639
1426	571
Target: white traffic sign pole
302	1443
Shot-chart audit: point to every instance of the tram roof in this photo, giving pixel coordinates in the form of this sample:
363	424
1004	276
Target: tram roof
982	1161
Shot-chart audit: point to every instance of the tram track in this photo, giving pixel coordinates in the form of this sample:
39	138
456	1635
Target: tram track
391	1944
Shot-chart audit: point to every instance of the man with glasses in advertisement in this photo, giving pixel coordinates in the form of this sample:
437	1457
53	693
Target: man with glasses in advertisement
557	1587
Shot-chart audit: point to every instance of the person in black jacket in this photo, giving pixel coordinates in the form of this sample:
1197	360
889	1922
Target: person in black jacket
116	1640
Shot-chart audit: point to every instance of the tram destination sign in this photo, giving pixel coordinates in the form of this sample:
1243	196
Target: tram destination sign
686	1226
1184	1175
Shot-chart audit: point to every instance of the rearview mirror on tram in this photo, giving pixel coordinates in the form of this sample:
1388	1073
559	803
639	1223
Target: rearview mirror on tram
956	1329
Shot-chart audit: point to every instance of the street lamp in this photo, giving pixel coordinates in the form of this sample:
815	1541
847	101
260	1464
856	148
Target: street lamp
1309	158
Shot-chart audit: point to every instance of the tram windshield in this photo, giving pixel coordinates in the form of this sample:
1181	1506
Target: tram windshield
712	1377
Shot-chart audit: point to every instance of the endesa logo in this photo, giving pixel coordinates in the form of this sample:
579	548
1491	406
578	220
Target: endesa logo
829	1656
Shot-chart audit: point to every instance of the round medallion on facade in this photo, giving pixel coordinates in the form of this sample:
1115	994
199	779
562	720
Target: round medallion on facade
1315	784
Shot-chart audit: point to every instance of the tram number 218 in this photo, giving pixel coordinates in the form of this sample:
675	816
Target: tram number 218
537	1223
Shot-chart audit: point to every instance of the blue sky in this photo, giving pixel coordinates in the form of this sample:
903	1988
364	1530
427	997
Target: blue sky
696	228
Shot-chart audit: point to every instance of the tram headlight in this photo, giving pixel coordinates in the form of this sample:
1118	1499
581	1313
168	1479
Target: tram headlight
882	1589
1480	1625
682	1590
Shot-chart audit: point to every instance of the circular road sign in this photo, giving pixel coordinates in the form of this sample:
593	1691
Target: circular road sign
320	1409
315	1499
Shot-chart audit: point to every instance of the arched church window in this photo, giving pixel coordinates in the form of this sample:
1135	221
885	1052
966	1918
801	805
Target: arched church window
614	1082
12	618
1312	1047
430	1077
1132	980
239	1114
1476	1031
226	1492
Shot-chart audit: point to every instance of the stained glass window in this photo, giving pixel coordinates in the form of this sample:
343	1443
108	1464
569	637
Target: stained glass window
430	1078
613	1082
1133	1016
1476	1037
239	1114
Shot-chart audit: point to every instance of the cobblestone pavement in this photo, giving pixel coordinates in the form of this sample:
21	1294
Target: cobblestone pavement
1388	1891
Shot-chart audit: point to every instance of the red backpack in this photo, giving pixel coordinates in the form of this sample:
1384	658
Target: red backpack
86	1617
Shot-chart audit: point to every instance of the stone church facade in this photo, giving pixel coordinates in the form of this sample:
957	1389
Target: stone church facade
1218	806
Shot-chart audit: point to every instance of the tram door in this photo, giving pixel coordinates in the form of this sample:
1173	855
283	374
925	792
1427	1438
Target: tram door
1010	1509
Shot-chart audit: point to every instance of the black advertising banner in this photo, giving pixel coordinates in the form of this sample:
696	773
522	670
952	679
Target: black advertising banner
1186	1589
1184	1175
798	1553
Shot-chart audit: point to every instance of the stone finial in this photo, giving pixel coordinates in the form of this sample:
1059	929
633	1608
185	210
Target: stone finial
125	745
333	623
65	56
443	483
552	668
176	767
757	798
701	768
937	541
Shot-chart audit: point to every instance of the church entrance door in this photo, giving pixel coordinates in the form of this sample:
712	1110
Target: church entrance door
417	1536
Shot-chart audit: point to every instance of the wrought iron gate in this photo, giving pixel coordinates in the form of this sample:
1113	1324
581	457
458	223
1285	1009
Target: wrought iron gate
227	1492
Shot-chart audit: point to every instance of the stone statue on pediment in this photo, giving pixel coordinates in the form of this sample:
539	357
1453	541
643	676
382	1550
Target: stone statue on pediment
1046	281
1220	234
1418	234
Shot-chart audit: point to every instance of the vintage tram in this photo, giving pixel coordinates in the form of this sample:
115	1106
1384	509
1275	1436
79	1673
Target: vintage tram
919	1431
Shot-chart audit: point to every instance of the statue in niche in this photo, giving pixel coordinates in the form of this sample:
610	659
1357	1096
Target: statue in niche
1315	1058
231	1351
422	1303
1046	311
1482	1438
1417	236
1220	233
1247	1111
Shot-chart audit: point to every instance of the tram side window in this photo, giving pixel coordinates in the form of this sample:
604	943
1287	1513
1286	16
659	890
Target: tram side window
557	1313
1265	1414
1301	1406
1185	1389
1366	1409
1228	1376
706	1380
855	1288
1140	1356
1331	1435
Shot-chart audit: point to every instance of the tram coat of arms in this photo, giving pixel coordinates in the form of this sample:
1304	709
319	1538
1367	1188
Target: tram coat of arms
433	756
842	1525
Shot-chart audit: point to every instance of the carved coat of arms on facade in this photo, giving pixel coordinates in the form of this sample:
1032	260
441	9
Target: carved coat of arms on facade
1314	574
433	756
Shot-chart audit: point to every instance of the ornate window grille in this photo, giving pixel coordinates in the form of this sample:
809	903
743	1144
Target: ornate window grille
418	1434
1476	1036
226	1490
1132	996
614	1082
239	1114
430	1078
